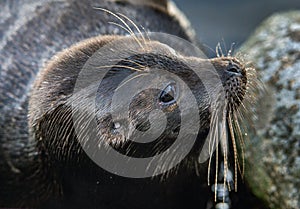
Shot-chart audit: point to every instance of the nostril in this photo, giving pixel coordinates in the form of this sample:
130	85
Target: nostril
234	70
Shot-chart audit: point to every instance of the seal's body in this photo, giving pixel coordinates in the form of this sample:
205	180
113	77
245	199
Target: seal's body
42	161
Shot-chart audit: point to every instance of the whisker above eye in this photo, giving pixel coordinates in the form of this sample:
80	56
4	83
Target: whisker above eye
125	24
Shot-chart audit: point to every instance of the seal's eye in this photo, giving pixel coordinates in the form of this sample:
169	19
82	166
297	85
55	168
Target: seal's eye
168	95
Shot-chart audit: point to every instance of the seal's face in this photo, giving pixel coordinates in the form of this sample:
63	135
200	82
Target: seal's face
147	98
206	78
149	102
158	104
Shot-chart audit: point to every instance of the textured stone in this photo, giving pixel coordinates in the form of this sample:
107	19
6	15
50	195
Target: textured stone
273	153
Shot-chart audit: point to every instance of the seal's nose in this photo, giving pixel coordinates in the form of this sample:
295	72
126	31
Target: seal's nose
233	70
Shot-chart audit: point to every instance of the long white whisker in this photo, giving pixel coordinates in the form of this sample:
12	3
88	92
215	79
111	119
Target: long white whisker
146	33
220	49
234	150
129	80
217	50
121	66
225	47
126	25
210	49
240	138
136	27
121	26
216	176
131	61
230	52
211	143
225	147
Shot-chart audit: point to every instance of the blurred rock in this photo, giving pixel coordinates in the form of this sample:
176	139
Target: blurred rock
273	153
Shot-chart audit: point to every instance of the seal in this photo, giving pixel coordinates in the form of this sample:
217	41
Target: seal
45	160
50	114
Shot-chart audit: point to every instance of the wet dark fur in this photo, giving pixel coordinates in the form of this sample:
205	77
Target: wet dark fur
41	162
50	115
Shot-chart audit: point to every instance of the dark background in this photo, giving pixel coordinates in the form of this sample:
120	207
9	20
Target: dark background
231	20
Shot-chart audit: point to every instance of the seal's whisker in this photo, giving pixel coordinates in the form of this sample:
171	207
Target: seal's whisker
240	138
121	26
210	147
240	56
218	135
149	39
211	49
216	175
225	47
237	130
231	50
134	77
219	50
136	63
234	150
136	27
251	73
241	103
251	85
210	135
130	61
125	24
212	140
225	148
121	66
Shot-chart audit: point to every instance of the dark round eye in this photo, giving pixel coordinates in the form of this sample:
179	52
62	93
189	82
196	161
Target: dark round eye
168	95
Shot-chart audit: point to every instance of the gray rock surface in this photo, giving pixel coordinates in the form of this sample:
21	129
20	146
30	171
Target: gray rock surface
273	153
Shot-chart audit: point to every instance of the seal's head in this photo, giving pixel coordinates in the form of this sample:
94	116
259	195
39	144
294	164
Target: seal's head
136	109
137	97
